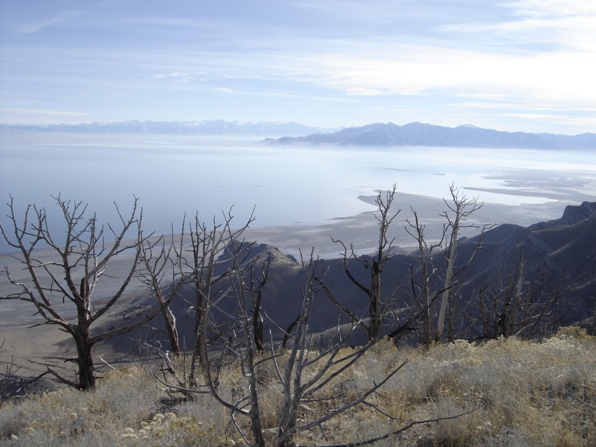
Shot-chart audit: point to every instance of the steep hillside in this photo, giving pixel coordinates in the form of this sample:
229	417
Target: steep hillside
555	259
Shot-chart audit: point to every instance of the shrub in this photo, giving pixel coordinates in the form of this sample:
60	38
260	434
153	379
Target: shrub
518	393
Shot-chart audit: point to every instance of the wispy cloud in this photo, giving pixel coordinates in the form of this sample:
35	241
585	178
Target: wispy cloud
566	24
378	11
410	69
492	66
540	9
182	78
44	112
38	26
533	57
41	116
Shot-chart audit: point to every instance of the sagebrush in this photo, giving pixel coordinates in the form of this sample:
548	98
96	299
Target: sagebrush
516	393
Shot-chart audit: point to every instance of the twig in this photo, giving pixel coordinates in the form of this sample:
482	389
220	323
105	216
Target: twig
107	364
398	431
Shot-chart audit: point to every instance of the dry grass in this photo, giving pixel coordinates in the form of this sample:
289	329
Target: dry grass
521	393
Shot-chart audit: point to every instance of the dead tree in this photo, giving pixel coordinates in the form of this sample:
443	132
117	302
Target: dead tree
195	260
374	264
425	250
72	273
308	372
303	375
513	305
203	271
306	377
162	267
309	376
460	208
255	288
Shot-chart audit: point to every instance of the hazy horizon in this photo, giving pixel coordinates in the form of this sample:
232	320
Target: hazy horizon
73	128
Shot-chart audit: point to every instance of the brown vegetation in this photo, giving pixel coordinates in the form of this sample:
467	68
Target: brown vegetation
519	393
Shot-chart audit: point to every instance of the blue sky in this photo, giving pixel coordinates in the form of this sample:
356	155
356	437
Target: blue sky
526	65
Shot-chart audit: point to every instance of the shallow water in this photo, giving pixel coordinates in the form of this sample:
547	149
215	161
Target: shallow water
174	175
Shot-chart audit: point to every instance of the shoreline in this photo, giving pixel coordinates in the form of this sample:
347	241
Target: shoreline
361	229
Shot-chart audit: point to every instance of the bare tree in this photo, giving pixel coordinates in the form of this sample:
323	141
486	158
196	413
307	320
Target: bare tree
163	275
375	264
207	244
460	208
218	258
309	377
425	250
255	287
72	274
512	305
303	375
196	261
308	374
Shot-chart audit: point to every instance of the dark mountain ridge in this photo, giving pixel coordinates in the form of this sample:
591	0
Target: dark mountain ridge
540	262
419	134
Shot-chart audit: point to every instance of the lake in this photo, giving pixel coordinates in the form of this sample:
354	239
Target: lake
173	175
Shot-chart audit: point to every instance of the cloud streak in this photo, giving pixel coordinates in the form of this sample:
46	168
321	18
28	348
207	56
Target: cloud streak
39	26
44	112
419	56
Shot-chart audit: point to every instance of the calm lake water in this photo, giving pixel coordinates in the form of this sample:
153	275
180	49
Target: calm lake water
173	175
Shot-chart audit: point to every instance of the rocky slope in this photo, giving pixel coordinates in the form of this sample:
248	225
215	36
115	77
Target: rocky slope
548	259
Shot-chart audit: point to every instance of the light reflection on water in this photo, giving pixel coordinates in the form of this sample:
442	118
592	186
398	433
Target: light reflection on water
173	175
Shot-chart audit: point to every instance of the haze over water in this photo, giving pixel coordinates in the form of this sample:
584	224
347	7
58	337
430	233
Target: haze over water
173	175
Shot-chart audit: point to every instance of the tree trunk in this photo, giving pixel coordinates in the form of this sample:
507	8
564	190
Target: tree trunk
448	278
83	339
259	331
426	316
85	359
171	330
199	357
375	302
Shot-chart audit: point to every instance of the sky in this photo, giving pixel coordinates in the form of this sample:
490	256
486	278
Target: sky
527	65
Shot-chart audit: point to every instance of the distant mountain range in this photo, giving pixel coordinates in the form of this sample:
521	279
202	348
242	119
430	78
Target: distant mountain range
419	134
215	127
295	134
